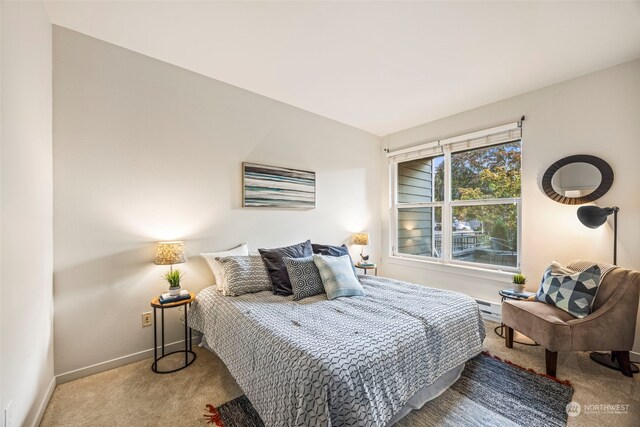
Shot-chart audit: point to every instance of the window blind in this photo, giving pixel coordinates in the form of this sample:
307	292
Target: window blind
497	135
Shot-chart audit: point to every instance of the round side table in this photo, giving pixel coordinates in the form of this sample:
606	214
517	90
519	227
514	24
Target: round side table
520	296
188	338
366	268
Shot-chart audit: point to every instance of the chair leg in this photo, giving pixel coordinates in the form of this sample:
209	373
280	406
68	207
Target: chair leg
624	362
551	359
508	336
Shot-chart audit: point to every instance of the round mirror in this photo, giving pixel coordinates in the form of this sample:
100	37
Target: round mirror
577	179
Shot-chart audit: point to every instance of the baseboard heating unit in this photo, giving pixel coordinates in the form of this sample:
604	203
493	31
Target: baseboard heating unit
490	310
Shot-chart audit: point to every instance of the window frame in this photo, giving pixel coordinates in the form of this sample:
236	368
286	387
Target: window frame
447	205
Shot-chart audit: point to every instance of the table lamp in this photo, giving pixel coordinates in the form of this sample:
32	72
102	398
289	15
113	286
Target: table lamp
169	253
362	239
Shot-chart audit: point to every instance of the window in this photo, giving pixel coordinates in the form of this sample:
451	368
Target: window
457	201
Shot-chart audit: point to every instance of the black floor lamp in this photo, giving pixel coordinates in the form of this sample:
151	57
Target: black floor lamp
594	217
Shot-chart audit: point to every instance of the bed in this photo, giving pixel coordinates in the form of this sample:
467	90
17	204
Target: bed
362	361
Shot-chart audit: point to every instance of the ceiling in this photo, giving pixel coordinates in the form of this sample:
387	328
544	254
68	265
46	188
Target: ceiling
377	66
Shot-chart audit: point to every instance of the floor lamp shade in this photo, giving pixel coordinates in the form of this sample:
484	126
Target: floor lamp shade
594	217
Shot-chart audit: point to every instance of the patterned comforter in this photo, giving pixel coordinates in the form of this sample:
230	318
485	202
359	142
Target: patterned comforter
350	361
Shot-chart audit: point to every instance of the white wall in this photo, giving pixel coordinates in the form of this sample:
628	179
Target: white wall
26	372
146	151
596	114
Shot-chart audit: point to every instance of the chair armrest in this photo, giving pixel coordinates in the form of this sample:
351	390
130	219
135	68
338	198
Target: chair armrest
612	326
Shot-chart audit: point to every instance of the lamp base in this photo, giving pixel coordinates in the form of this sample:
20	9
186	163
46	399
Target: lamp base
605	359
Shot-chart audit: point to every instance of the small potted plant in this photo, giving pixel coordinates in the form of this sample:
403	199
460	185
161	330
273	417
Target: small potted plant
519	281
173	278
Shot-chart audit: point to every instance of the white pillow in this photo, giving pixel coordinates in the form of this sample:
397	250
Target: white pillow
216	266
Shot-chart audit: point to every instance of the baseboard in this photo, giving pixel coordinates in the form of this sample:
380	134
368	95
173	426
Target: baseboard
135	357
43	404
119	361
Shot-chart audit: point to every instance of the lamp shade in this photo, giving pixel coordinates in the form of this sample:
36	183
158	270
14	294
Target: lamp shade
361	239
168	253
593	216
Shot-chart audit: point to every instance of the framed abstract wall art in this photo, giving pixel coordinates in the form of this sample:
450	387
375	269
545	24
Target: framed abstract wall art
275	187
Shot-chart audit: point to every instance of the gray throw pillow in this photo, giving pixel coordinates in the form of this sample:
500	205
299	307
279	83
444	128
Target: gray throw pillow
571	291
304	276
244	274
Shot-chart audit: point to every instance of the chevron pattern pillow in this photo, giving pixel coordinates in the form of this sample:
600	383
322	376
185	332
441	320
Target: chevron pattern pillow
305	277
573	292
244	274
337	276
216	267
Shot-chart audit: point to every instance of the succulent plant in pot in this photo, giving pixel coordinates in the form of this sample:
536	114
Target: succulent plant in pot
173	278
519	281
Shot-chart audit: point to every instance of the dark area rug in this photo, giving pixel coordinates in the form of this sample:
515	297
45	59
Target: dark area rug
490	392
237	413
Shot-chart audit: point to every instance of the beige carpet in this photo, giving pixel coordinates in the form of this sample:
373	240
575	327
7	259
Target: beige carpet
132	395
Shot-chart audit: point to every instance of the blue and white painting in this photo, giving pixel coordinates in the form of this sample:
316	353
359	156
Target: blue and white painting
275	187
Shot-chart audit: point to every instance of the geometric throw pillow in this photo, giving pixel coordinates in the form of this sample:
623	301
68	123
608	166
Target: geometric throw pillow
337	275
272	258
305	277
216	267
573	292
244	274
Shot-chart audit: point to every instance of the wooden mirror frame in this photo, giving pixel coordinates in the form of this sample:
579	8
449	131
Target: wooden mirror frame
605	184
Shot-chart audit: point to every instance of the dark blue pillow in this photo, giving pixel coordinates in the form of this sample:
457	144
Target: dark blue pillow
275	266
329	250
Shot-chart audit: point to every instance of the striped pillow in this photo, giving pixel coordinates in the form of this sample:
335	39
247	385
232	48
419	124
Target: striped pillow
337	276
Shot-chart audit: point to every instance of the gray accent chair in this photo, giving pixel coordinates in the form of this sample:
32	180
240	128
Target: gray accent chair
611	326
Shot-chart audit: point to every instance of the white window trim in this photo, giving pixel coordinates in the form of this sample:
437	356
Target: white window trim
502	276
479	139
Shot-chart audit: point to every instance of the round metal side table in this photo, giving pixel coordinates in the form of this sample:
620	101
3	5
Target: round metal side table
189	355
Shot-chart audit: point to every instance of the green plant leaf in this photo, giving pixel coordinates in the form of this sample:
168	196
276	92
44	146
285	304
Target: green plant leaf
519	279
173	278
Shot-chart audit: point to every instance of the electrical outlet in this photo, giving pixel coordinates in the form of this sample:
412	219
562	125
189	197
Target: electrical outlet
8	415
146	319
